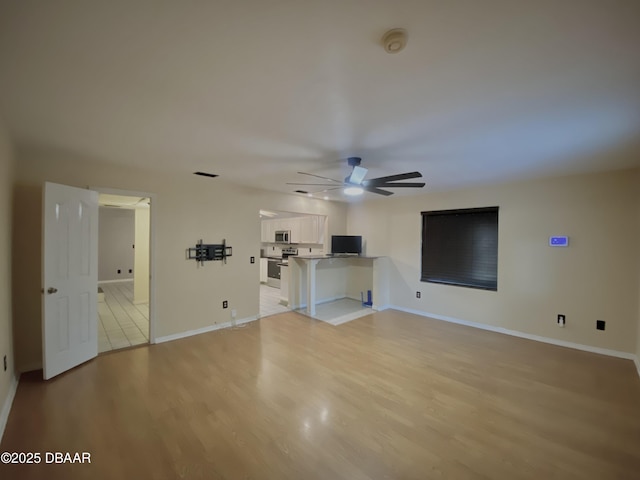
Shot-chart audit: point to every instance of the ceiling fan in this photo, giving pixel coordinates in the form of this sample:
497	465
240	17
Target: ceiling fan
355	184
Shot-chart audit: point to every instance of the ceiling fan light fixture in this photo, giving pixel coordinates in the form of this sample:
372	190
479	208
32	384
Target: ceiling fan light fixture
357	176
353	191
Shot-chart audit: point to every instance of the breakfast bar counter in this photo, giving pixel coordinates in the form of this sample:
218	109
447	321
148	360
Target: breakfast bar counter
315	279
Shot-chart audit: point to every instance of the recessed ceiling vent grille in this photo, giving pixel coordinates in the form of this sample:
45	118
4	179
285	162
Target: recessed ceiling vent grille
205	174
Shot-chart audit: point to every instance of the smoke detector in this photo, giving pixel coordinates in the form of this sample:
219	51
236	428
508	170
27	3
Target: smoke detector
394	40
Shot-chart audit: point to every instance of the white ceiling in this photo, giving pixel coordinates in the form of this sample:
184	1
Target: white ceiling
256	90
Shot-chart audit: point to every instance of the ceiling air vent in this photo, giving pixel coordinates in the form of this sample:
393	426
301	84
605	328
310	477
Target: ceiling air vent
301	191
205	174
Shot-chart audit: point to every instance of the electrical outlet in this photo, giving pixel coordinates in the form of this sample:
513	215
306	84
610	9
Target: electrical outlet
225	304
418	294
130	271
561	320
119	271
253	260
600	324
5	363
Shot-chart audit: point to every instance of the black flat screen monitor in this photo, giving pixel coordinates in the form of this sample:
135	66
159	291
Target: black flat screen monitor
346	244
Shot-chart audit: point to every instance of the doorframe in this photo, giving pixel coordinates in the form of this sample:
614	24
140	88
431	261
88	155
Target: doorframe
152	249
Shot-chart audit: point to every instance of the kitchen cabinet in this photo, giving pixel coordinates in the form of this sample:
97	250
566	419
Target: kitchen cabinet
293	225
320	229
312	229
263	270
308	229
265	230
284	285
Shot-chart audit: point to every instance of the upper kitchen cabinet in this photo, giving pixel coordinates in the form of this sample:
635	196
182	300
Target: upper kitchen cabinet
320	228
308	229
311	229
265	226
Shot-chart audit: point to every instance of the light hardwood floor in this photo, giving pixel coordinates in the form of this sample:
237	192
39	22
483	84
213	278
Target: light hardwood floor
387	396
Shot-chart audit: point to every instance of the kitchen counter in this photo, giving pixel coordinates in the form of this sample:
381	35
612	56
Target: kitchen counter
323	257
315	279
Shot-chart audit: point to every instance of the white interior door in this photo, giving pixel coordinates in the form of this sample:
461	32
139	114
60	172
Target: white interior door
70	278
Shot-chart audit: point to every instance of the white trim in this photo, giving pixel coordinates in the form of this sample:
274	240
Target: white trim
6	408
100	282
318	302
636	360
325	300
515	333
381	307
198	331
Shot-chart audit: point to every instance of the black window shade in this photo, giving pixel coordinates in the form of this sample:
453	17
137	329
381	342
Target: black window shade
460	247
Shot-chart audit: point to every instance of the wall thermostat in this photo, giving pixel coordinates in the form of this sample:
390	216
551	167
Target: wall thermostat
559	241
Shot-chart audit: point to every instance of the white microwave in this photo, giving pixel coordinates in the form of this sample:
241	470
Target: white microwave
283	236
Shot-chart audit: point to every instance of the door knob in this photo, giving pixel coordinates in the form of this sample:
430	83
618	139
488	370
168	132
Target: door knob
51	290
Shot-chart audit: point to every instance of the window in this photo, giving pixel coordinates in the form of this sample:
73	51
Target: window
460	247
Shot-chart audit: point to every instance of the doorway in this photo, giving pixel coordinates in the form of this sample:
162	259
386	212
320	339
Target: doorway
285	234
124	263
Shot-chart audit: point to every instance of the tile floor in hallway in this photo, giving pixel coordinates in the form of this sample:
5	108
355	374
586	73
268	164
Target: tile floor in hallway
122	324
270	301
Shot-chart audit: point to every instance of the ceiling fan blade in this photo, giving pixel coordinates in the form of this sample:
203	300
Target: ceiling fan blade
319	176
378	191
392	178
317	184
401	184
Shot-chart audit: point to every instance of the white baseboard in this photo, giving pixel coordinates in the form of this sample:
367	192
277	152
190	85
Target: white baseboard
6	408
319	302
637	362
115	281
515	333
380	308
325	300
210	328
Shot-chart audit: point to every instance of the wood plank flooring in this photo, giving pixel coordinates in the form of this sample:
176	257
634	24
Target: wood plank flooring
387	396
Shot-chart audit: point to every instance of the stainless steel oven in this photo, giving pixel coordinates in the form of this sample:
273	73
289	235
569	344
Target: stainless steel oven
288	252
273	272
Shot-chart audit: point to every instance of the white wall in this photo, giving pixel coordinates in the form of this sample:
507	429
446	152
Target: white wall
186	209
596	278
6	341
141	269
116	237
